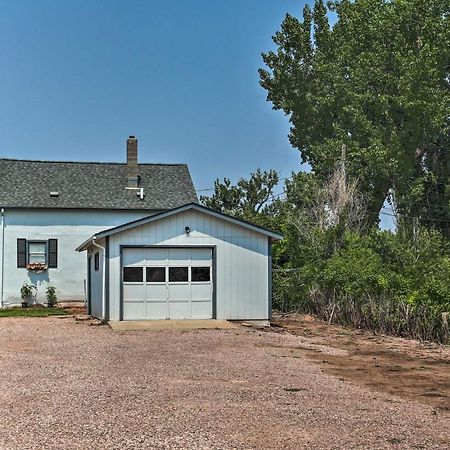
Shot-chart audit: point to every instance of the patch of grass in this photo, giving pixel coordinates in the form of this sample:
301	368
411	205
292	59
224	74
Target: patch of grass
32	312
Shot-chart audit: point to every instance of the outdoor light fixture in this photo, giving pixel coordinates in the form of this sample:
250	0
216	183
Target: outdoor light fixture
187	229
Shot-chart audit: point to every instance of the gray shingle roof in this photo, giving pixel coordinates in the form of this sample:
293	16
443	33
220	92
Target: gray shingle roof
27	184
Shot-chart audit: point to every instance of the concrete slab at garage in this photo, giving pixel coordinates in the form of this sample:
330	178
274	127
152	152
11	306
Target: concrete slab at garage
188	263
157	325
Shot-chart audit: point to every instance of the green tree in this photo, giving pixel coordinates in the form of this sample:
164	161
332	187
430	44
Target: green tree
331	264
250	199
379	82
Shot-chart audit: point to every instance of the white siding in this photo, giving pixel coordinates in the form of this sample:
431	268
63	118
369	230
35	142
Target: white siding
241	282
71	228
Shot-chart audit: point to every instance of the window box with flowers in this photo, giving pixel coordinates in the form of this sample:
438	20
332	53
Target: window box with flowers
37	267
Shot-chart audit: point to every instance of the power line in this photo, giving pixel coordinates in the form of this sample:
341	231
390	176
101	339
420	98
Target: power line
404	183
432	219
277	195
390	214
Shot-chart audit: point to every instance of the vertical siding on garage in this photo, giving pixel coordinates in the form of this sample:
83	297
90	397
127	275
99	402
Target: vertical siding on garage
241	260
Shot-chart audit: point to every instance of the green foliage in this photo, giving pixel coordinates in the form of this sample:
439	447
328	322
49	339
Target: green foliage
382	281
378	81
52	300
250	199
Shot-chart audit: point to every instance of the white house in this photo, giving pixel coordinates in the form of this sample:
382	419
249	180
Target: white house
48	208
190	262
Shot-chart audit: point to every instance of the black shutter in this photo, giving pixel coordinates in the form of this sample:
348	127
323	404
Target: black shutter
21	253
53	253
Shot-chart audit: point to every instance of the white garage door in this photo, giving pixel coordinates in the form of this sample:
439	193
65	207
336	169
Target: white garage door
167	283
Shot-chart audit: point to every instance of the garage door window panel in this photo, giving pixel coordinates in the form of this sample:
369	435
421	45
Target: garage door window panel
200	274
156	274
178	274
133	274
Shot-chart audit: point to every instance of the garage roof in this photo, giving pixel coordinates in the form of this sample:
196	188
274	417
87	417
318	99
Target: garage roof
164	214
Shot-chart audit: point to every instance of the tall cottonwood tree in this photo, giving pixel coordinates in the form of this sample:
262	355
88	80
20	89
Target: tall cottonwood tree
377	81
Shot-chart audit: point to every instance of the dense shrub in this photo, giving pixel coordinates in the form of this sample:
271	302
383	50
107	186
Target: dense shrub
382	281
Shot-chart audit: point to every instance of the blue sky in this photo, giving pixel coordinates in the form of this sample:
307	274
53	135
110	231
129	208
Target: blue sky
78	77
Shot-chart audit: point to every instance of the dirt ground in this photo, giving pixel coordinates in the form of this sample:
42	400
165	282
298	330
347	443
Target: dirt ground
413	370
67	385
76	308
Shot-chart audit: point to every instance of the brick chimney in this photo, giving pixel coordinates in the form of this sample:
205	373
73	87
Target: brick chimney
132	163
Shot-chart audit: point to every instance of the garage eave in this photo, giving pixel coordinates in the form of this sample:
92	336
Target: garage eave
85	245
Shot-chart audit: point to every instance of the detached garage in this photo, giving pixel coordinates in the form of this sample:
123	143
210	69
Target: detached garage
190	262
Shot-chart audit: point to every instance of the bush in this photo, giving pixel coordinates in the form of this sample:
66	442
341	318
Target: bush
26	293
52	300
380	281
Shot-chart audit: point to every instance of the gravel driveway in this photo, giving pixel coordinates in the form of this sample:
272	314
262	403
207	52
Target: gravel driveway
67	385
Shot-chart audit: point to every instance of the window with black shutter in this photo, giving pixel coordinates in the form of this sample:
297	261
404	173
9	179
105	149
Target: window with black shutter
42	252
53	253
96	261
21	253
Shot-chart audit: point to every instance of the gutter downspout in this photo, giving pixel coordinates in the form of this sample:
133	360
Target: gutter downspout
103	279
3	257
